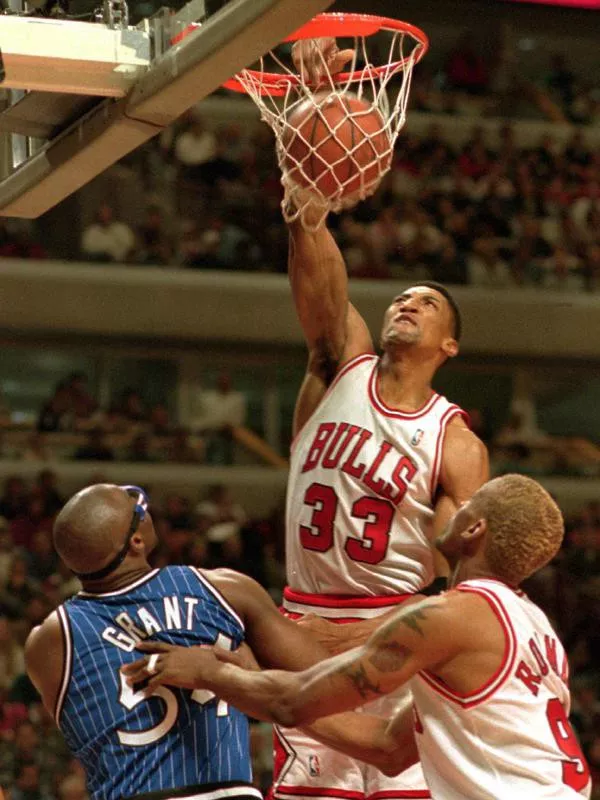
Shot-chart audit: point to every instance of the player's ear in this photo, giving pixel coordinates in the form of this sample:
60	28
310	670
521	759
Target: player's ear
473	536
450	347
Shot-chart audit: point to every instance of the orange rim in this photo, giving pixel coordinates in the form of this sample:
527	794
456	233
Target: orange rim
277	84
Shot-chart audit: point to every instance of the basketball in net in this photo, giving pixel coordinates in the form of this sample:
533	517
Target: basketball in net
335	133
336	145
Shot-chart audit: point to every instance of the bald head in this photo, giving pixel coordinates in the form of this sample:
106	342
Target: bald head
92	526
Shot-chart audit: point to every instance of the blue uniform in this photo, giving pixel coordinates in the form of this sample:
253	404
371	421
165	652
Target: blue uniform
175	740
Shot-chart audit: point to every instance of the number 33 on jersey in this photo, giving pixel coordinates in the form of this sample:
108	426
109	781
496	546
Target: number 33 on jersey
362	483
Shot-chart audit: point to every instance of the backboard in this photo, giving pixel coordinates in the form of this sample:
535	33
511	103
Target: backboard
81	95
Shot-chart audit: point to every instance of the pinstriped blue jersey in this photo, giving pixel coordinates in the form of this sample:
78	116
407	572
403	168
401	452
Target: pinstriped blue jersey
177	738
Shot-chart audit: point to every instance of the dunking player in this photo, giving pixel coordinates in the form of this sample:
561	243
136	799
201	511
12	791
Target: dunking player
488	674
176	743
379	463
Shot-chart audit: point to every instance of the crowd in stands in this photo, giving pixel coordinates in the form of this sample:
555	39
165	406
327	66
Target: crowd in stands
489	212
72	425
208	531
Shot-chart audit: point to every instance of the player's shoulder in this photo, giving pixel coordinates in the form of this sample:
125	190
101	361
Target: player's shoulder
45	636
241	591
462	445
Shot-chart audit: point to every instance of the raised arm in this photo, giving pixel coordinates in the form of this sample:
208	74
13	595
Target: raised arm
334	330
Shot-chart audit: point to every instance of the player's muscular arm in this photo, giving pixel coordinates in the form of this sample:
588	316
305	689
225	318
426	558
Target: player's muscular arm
334	330
412	640
44	656
277	642
465	468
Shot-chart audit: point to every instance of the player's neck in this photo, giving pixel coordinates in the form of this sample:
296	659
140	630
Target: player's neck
471	570
404	383
119	580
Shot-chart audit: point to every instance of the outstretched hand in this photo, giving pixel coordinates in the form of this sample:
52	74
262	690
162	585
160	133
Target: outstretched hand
167	664
313	58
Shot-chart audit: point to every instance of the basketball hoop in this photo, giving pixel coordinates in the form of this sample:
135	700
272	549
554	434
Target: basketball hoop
355	142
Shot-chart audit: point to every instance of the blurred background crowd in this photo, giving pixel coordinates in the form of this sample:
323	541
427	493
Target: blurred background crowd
495	184
494	207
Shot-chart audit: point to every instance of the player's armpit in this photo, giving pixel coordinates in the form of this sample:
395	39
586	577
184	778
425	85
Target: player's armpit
44	658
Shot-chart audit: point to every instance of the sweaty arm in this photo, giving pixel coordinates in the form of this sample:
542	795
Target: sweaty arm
334	330
464	469
44	656
276	641
425	635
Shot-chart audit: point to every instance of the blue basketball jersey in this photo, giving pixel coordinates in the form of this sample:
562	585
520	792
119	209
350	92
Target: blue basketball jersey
175	739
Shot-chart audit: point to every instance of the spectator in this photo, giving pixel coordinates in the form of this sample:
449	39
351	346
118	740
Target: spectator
182	450
72	788
14	498
177	513
160	422
43	560
561	79
219	507
57	413
217	412
18	590
16	241
140	449
107	239
95	449
82	402
194	145
12	662
131	406
27	782
46	488
34	517
37	448
6	550
465	68
156	243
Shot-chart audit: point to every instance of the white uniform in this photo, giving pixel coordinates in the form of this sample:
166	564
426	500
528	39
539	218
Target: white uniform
363	478
512	737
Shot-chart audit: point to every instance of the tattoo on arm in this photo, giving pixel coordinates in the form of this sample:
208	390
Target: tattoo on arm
411	620
389	656
360	680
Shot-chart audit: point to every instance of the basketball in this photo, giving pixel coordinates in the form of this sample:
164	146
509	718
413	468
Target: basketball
337	144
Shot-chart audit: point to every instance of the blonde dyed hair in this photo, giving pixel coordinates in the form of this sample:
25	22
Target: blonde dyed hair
525	526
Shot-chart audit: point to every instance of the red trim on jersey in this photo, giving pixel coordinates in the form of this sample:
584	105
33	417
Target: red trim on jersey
470	699
295	615
449	414
343	600
318	791
348	366
380	406
401	794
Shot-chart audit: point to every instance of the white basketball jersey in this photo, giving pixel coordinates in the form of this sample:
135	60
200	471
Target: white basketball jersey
512	738
360	496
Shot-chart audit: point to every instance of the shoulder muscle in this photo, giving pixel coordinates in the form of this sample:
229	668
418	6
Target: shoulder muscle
44	659
465	462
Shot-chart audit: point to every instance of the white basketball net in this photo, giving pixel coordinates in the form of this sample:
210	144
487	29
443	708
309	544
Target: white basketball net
307	202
